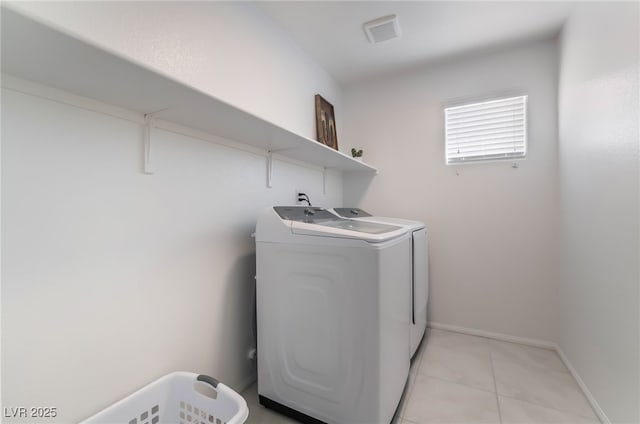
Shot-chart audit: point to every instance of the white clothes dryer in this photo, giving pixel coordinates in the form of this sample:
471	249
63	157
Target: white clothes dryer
332	326
419	268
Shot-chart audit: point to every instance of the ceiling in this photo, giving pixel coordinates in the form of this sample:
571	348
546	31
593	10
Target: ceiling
331	31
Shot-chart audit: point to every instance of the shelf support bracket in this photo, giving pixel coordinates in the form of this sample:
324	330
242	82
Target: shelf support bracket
149	124
269	169
324	180
148	127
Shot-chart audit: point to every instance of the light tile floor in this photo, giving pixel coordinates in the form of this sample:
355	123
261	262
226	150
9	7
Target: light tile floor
456	378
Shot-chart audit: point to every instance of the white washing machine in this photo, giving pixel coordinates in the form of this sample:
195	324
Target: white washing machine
332	326
419	264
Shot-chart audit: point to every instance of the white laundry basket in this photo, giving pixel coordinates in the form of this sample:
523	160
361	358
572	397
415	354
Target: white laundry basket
177	398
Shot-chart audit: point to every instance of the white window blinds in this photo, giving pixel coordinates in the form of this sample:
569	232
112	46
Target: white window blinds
489	130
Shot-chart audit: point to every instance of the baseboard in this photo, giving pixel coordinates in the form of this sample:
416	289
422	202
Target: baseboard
496	336
246	383
587	393
535	343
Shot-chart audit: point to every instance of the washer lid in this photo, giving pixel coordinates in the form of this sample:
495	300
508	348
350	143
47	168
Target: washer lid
358	226
362	215
304	213
413	225
348	228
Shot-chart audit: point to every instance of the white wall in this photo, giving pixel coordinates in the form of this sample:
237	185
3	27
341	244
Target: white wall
230	50
491	227
599	190
112	278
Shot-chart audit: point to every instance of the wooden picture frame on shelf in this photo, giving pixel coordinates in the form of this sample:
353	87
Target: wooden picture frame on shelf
326	123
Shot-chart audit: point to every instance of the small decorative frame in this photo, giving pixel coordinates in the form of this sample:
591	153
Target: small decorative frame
326	123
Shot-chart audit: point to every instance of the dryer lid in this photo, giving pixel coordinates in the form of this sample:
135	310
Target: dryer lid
359	214
351	212
359	226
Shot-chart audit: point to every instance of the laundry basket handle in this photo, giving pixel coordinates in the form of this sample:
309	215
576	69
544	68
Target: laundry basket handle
210	380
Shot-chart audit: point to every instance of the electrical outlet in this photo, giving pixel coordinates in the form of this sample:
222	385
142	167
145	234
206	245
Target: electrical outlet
252	353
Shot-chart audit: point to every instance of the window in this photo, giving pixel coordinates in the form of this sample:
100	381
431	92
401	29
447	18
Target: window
489	130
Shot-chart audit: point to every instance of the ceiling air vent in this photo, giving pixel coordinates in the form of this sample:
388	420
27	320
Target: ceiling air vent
382	29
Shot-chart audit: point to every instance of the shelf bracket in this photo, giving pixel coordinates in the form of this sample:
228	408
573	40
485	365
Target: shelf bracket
324	180
269	169
149	124
148	127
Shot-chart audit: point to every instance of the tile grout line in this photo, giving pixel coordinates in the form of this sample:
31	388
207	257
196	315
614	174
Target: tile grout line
486	341
495	384
469	386
575	414
554	347
547	370
539	368
459	384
